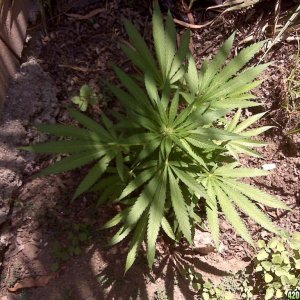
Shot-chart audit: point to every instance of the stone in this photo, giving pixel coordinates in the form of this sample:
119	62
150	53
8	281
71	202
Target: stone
3	214
203	242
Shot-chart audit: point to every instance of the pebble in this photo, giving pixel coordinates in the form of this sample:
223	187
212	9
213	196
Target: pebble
268	167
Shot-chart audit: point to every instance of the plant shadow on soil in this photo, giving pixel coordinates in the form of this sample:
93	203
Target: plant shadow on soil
98	271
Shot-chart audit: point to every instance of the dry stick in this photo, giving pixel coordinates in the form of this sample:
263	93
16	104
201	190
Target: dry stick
234	5
193	26
277	15
88	15
277	38
77	68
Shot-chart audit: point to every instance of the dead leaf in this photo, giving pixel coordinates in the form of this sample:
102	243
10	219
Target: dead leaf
87	16
32	282
80	69
192	26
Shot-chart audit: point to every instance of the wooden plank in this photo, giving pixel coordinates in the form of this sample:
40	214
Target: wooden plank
12	37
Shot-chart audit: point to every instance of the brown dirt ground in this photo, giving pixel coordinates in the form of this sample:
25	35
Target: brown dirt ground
80	51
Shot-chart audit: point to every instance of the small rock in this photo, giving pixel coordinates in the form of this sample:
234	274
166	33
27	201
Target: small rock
269	167
96	26
30	251
203	242
3	214
222	248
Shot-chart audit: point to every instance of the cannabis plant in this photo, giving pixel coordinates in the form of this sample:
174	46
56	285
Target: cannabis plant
173	145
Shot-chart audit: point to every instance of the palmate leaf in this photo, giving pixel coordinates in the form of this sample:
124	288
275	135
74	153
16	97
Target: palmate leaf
141	48
232	103
212	214
215	134
137	92
190	182
201	143
86	146
217	62
71	146
173	109
69	131
136	242
233	123
256	194
107	181
248	122
122	233
118	218
246	88
180	208
170	45
256	131
231	214
159	37
250	209
226	83
245	145
165	43
94	174
224	189
233	85
147	150
156	213
127	100
191	76
167	229
151	88
72	162
143	201
177	70
240	172
185	146
110	193
237	63
139	180
236	148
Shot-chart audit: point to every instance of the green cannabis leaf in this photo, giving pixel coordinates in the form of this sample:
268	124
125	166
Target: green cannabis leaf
168	148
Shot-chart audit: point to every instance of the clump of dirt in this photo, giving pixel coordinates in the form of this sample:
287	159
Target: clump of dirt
31	99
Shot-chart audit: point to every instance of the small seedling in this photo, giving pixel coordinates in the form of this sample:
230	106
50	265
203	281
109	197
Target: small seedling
278	263
77	236
161	294
86	97
206	288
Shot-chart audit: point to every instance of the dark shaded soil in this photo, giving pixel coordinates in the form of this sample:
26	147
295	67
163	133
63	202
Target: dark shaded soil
82	51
